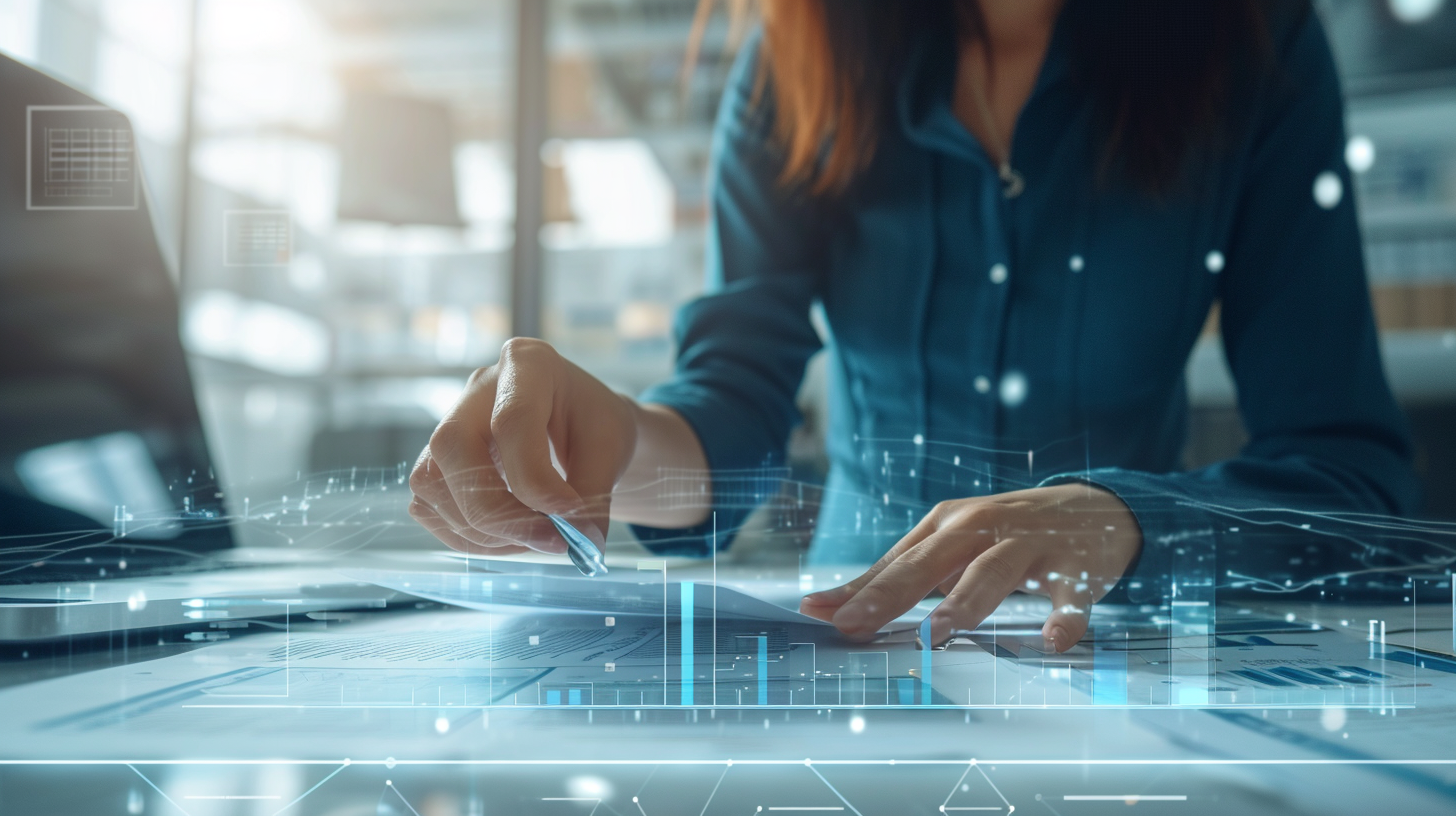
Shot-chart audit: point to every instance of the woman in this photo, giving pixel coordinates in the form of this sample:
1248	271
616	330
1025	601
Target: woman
1016	215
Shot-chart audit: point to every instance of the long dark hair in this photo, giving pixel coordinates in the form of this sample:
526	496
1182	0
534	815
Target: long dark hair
1159	71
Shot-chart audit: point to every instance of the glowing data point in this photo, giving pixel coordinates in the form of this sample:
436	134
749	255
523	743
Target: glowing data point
1359	153
1013	389
1328	190
1411	12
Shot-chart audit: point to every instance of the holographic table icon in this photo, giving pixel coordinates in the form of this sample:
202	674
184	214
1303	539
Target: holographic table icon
79	157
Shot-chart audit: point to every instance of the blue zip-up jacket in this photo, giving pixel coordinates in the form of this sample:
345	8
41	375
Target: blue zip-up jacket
983	344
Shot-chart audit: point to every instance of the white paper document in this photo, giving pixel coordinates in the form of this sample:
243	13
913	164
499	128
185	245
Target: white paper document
534	587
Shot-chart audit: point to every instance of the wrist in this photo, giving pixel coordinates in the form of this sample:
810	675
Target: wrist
633	429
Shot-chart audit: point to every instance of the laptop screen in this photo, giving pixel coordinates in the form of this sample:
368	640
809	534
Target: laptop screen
101	446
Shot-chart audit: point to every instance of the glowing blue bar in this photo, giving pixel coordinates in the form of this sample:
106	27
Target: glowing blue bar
904	691
687	643
1192	661
763	671
925	654
553	697
573	697
1109	666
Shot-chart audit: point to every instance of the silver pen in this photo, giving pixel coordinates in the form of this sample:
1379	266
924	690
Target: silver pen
582	551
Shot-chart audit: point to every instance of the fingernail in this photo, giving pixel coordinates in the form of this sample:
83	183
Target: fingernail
1059	638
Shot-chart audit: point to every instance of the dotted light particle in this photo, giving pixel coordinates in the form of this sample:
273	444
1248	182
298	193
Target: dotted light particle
1328	190
1411	12
589	787
1359	154
1013	389
1214	261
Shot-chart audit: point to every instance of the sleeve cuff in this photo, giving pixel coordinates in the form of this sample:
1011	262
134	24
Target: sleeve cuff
741	479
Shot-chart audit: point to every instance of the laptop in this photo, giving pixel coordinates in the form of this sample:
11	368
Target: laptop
111	514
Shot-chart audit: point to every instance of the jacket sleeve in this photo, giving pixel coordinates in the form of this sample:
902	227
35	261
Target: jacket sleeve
1327	443
743	346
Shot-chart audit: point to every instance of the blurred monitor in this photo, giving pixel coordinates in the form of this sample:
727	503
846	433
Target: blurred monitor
99	429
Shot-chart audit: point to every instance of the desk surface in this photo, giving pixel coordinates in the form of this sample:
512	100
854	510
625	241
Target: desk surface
401	712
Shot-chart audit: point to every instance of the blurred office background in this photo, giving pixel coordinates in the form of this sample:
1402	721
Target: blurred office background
340	182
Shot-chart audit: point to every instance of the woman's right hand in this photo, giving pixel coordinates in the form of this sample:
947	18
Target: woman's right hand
487	475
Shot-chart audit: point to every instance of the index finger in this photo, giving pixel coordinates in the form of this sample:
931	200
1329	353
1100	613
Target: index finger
904	582
990	578
823	604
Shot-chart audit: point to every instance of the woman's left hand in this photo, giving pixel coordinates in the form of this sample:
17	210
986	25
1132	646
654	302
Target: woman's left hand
1069	542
